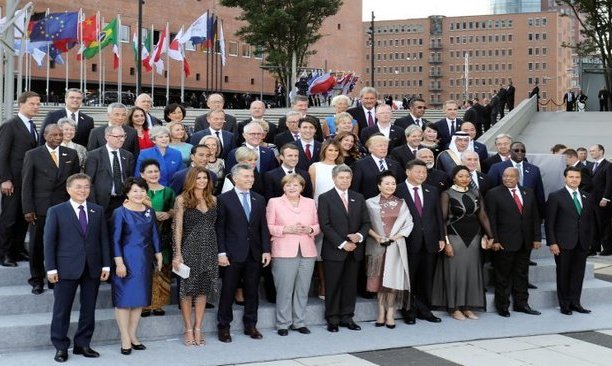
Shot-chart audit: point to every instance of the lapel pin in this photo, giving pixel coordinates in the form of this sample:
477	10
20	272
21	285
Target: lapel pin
92	211
64	154
426	190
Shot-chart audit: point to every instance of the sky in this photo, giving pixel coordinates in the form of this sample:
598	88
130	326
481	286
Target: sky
405	9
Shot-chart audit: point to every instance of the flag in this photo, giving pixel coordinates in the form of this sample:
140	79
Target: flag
186	68
322	84
176	52
18	19
222	44
197	31
145	51
88	29
158	50
55	26
211	33
108	35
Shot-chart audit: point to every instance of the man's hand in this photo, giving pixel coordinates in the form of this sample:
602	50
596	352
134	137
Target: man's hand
496	247
266	259
30	217
554	249
104	275
7	188
602	203
537	245
441	245
53	278
354	238
448	250
121	271
160	261
350	246
224	261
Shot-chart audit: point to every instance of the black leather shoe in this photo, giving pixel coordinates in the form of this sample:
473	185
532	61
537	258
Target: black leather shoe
350	325
531	286
566	312
61	355
592	253
378	325
410	319
224	336
504	313
430	318
139	347
159	312
302	330
580	309
282	332
605	252
532	263
390	326
145	313
37	289
22	257
10	263
85	351
332	328
126	351
527	310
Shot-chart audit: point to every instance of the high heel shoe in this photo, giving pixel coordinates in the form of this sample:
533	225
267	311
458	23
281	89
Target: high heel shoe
139	347
197	336
378	325
188	337
390	326
126	351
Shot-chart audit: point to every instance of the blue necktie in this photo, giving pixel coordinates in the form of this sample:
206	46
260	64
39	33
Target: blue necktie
245	204
82	219
33	130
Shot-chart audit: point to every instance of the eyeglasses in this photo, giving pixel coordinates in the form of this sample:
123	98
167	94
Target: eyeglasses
118	136
519	150
255	133
420	107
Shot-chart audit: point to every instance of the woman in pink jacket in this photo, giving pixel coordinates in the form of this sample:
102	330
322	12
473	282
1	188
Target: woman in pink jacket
293	223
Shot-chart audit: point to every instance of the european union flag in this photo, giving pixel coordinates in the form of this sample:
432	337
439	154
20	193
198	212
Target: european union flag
55	26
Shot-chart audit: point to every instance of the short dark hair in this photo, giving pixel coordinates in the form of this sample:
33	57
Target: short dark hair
383	175
127	186
171	108
581	149
23	97
146	162
557	147
72	90
195	148
415	162
288	146
571	169
430	125
308	119
77	176
414	100
571	153
457	169
299	98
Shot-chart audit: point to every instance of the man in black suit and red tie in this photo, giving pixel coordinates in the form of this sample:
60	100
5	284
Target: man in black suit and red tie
365	114
601	194
84	123
77	255
569	232
17	135
244	247
425	240
309	148
383	126
515	222
415	117
45	170
344	221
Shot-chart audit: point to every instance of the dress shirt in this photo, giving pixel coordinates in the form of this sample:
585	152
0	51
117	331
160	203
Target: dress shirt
76	115
518	193
56	151
311	142
287	170
449	122
377	160
474	175
239	194
111	158
341	193
571	192
384	130
25	120
365	112
219	136
411	190
415	120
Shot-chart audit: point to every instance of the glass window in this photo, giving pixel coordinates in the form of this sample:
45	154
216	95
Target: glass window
233	48
246	50
126	33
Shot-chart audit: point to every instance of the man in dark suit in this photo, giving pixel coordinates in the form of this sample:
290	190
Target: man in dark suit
216	119
253	135
109	166
435	177
571	159
480	181
478	147
569	98
487	121
77	255
84	123
383	126
145	102
45	170
425	240
366	170
502	144
290	155
310	149
256	111
216	101
17	135
536	91
344	221
601	195
515	223
480	116
510	91
200	155
502	94
415	117
292	120
407	151
448	125
364	113
117	114
569	233
244	246
299	104
470	114
582	157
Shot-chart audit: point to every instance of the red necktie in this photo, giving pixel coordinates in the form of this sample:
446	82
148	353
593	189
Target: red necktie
517	200
417	201
307	152
370	119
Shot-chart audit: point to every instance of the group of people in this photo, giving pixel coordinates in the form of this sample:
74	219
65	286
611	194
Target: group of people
401	210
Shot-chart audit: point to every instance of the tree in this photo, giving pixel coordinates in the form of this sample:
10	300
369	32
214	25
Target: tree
281	28
595	18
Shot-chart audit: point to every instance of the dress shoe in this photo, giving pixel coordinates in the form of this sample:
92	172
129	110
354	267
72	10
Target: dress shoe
50	285
10	263
282	332
592	253
224	336
605	252
378	325
532	287
580	309
240	303
527	310
390	326
504	313
350	325
209	306
430	318
61	355
302	330
85	351
253	333
159	312
532	263
332	328
139	347
37	289
410	319
126	351
22	257
566	311
145	313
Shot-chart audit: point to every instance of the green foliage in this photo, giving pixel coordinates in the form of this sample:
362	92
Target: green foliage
281	27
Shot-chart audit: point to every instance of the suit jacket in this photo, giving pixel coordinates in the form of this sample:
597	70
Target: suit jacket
486	164
402	154
404	122
239	139
481	150
97	139
99	168
226	136
396	135
267	160
280	213
336	223
361	118
438	179
480	115
155	121
444	134
84	125
238	236
511	228
564	226
470	115
15	140
230	123
531	179
315	152
272	182
602	181
282	127
68	250
429	228
283	138
365	175
44	184
483	183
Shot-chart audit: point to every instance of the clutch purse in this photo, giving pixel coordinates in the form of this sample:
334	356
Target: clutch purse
183	271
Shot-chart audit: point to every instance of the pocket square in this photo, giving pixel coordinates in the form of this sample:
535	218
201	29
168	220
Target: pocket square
64	154
352	200
69	162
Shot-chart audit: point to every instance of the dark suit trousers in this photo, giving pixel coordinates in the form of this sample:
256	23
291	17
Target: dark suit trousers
511	272
64	293
570	274
603	233
36	250
249	272
421	268
340	289
13	227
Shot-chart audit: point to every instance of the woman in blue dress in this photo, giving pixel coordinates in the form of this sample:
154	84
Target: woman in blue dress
136	251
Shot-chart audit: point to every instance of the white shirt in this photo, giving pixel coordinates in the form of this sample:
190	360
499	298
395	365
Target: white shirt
311	143
411	191
111	157
449	122
377	160
365	112
344	194
475	178
51	151
384	130
288	169
571	192
76	115
518	193
415	120
26	122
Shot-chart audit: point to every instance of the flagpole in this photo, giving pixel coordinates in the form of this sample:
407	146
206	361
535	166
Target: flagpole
221	34
22	51
81	18
100	63
215	60
167	42
182	70
152	71
48	65
119	46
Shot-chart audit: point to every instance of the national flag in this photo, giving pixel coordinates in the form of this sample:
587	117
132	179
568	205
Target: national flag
197	31
211	33
88	29
56	26
18	19
176	52
322	84
222	44
158	50
64	45
144	50
108	35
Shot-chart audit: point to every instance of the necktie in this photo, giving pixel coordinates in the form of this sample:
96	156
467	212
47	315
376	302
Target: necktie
33	132
577	203
453	128
245	204
82	219
220	141
418	122
414	152
296	136
345	201
117	177
370	119
381	165
473	184
417	201
289	171
517	200
307	152
519	166
73	116
595	165
54	157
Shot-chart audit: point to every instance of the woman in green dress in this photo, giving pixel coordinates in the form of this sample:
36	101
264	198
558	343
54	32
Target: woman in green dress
161	199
